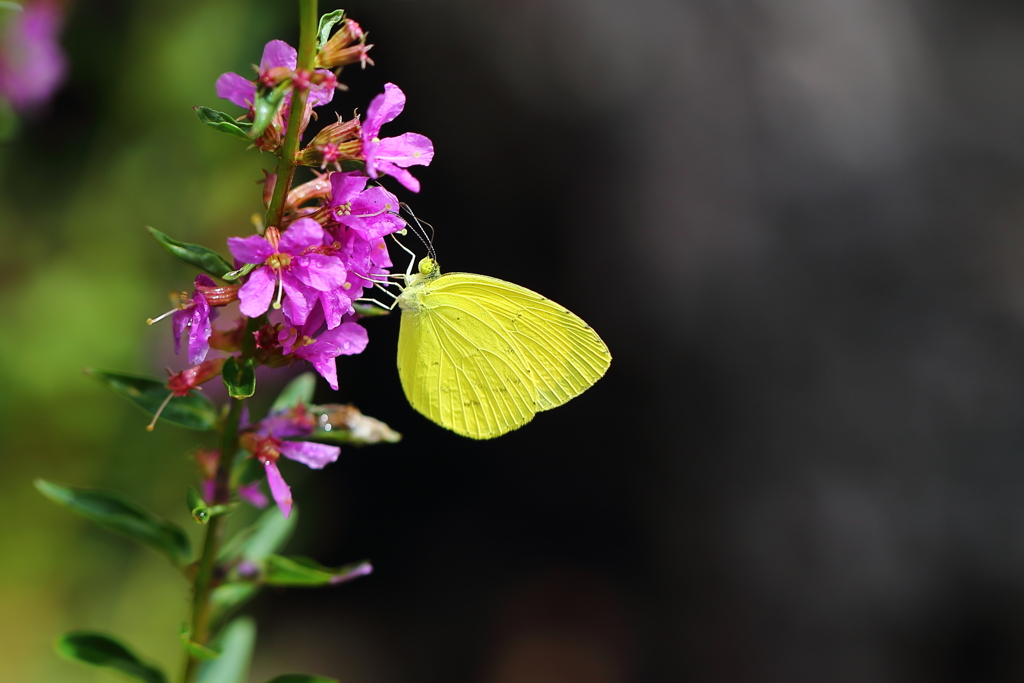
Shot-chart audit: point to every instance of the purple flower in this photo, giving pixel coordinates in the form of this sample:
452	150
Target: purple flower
276	55
346	339
372	213
268	449
31	62
295	264
392	156
364	258
194	315
252	495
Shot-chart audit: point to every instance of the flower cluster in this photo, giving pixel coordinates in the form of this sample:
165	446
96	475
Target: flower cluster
297	281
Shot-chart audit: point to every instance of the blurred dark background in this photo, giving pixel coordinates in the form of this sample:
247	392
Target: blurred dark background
799	226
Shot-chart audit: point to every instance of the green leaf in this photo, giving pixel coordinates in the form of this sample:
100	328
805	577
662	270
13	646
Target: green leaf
299	390
119	513
235	643
240	380
301	678
229	596
194	649
241	272
194	255
224	123
327	23
266	106
102	650
268	534
192	411
197	506
302	571
370	310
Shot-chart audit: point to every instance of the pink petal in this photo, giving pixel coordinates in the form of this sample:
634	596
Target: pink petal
278	487
348	338
252	494
236	89
335	305
251	249
278	53
255	295
399	174
314	455
408	149
319	271
301	234
299	299
345	186
382	109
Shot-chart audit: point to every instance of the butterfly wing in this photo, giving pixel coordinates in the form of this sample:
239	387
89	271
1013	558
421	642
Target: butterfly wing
562	355
481	356
458	371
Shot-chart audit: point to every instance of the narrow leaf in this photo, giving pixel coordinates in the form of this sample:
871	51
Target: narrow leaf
241	272
299	390
195	649
235	643
118	513
266	106
98	649
239	379
327	23
224	122
301	678
268	534
230	596
192	411
193	254
302	571
197	506
370	310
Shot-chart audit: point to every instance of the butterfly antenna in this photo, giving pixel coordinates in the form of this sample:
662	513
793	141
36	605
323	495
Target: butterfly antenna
428	241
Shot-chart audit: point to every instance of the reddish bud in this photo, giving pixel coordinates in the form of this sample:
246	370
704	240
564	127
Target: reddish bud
346	46
185	381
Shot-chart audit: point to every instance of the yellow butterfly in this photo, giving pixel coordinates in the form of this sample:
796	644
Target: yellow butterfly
481	356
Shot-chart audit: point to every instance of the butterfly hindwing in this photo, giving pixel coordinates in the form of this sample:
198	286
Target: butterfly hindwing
457	369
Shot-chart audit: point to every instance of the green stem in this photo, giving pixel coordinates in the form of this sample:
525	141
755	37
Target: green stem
205	574
203	585
289	148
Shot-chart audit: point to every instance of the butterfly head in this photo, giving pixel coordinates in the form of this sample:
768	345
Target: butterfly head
428	268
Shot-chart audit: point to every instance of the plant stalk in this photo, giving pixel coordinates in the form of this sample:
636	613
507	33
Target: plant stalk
205	575
308	21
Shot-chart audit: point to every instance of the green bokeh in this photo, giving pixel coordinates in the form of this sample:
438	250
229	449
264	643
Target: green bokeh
119	149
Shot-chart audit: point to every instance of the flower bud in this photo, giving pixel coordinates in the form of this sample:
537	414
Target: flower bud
185	381
337	142
346	46
219	296
308	191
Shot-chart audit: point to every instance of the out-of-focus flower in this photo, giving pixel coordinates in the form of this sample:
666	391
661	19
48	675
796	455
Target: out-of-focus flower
392	156
295	264
268	449
32	64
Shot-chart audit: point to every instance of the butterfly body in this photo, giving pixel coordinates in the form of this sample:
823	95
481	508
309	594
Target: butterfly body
481	356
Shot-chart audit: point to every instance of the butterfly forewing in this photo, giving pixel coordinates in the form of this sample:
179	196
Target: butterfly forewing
561	355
